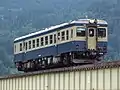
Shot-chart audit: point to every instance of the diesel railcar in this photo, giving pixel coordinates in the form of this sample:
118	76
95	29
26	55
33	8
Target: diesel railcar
78	41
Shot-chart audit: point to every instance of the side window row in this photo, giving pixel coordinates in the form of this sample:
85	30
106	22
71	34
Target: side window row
64	35
36	43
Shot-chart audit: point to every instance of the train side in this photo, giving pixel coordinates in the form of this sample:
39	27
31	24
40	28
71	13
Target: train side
62	44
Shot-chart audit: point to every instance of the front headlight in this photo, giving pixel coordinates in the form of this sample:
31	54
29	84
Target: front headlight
92	21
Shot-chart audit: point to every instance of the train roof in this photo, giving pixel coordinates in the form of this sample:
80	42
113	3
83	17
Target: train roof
79	21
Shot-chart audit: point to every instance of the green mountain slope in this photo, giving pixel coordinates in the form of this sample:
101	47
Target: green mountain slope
20	17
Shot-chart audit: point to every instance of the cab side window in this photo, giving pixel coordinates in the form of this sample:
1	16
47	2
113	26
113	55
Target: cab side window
80	31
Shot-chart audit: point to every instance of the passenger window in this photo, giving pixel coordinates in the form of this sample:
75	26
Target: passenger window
20	46
46	40
37	42
26	46
101	32
51	39
29	44
54	38
91	32
80	31
63	35
42	41
33	42
67	35
58	36
71	33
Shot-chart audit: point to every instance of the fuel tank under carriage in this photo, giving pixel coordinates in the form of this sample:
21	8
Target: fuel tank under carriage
80	41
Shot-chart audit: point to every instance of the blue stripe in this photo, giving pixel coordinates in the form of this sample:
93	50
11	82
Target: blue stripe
102	44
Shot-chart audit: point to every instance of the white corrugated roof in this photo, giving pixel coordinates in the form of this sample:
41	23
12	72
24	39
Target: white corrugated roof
61	25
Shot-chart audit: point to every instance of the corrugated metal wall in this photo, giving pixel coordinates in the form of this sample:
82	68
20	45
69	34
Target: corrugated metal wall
101	79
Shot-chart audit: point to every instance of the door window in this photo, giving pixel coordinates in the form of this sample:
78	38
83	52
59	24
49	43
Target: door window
91	32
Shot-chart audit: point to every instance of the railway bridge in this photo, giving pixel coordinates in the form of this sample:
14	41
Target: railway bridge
102	76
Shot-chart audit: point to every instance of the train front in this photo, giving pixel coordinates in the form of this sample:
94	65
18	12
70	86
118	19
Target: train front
96	38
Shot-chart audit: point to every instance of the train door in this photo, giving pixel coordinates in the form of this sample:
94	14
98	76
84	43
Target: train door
91	38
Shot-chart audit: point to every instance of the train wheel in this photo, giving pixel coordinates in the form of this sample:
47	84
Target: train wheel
19	66
66	59
65	62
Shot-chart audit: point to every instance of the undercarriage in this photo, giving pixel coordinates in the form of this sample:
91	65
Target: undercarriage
62	60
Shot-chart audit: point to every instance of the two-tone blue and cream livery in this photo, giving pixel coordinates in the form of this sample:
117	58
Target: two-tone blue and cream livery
83	41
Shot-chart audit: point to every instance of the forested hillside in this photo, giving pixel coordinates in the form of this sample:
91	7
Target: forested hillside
20	17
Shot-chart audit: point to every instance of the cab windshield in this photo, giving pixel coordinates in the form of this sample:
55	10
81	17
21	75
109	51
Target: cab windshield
101	32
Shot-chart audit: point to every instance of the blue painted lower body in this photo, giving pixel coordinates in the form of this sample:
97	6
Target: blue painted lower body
55	50
103	46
